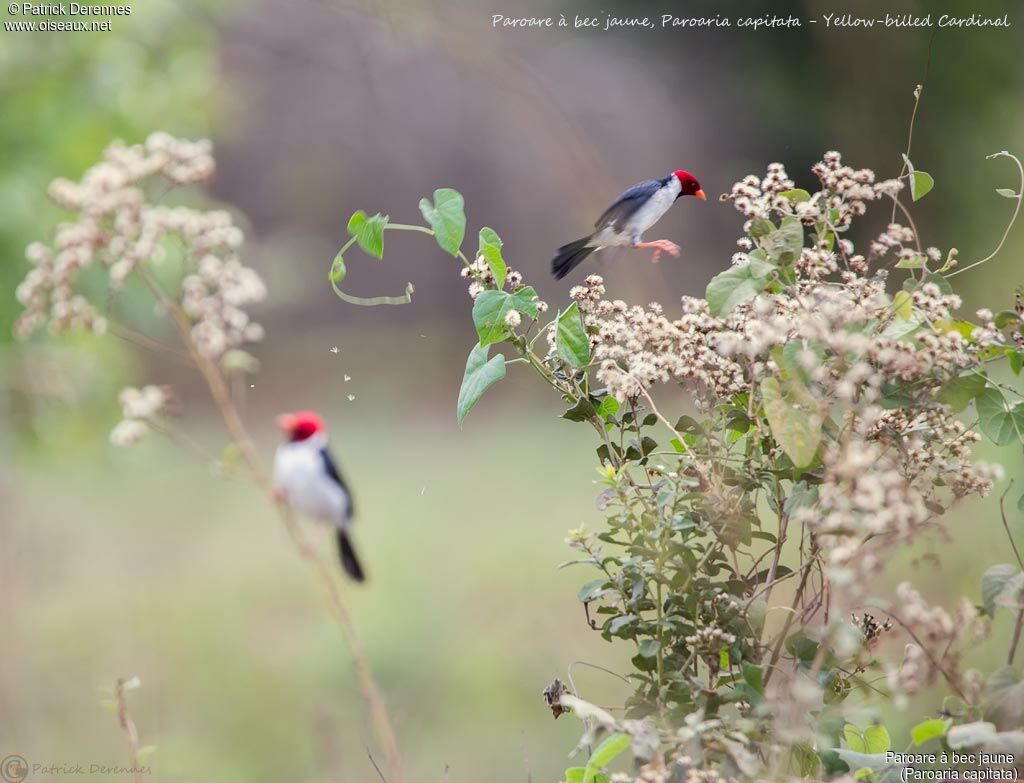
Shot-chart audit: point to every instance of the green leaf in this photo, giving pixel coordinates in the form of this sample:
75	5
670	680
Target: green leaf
945	288
1005	318
903	305
609	407
730	288
605	754
581	411
491	307
920	181
1016	359
621	622
802	647
929	730
785	243
796	427
806	762
796	195
490	249
338	269
369	232
571	341
998	419
877	740
911	262
447	218
754	677
1007	193
760	266
481	373
759	227
958	392
854	738
999	581
649	648
591	590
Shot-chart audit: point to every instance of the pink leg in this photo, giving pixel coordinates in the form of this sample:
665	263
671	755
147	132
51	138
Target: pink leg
660	246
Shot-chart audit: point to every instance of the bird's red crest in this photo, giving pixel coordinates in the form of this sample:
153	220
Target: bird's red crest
301	424
689	184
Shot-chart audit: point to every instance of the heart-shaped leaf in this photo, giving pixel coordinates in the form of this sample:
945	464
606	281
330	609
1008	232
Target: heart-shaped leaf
732	287
369	232
795	424
999	420
491	307
481	373
447	217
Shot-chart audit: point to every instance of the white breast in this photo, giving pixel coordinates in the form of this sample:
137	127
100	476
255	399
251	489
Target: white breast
655	208
300	474
641	220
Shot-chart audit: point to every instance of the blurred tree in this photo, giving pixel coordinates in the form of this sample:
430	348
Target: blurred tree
65	96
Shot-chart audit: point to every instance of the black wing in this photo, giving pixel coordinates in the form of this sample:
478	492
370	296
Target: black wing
334	473
628	203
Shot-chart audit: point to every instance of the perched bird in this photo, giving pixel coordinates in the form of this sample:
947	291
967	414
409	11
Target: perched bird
625	221
308	480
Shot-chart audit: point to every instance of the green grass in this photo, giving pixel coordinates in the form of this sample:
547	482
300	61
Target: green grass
142	564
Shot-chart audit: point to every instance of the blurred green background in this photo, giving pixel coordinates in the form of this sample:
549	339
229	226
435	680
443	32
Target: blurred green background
142	562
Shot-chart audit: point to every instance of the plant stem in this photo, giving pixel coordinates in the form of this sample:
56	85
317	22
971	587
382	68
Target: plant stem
777	651
1013	218
407	227
1019	624
129	728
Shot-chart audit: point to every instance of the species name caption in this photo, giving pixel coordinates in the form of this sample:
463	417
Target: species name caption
982	766
609	22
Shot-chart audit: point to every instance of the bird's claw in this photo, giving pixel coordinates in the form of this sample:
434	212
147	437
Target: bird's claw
663	246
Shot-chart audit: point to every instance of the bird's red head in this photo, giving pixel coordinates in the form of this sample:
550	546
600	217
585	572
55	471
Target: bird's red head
300	425
690	185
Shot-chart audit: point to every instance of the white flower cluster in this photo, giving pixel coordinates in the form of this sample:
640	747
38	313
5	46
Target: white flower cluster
215	297
637	347
138	407
865	507
115	225
846	343
710	638
844	194
945	639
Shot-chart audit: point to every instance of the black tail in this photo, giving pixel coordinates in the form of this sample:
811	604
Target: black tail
349	561
570	256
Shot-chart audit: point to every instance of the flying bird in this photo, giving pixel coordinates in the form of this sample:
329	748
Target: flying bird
307	478
625	221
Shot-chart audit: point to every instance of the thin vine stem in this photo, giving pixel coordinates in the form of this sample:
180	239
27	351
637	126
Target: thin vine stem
1013	217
